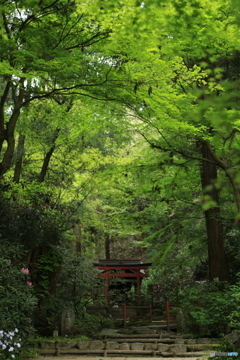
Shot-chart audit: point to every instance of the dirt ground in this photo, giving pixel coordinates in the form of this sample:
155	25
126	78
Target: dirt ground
76	357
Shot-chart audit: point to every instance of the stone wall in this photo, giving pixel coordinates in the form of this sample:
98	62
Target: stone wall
178	345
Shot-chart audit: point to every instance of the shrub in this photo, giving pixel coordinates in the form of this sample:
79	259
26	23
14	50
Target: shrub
169	285
17	301
10	344
206	307
74	287
234	317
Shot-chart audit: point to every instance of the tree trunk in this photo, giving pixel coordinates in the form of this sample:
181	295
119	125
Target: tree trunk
7	132
47	158
9	137
218	268
45	164
78	234
2	114
231	174
107	246
19	159
235	184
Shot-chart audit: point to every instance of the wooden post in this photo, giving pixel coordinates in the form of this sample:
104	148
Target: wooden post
124	315
57	348
138	284
168	315
106	287
151	311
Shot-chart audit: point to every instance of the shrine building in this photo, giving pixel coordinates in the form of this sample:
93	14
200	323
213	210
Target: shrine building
131	272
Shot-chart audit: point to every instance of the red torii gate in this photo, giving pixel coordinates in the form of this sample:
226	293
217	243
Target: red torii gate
124	269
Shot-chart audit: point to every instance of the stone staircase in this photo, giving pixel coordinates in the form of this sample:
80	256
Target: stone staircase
144	343
138	339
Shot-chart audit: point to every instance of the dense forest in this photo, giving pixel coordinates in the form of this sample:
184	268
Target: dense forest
119	138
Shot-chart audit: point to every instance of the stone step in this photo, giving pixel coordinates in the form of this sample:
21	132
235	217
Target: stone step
198	354
189	342
159	327
123	336
144	340
116	345
154	337
106	353
169	346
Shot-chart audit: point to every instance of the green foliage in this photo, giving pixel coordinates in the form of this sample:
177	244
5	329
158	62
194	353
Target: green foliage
30	352
17	299
169	284
10	344
127	171
28	225
46	271
234	316
64	279
46	318
207	306
48	313
75	279
227	347
91	324
31	234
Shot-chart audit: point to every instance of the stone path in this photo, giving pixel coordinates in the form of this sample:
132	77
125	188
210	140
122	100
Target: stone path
113	358
157	345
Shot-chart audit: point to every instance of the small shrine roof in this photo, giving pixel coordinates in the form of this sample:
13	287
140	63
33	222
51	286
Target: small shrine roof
121	263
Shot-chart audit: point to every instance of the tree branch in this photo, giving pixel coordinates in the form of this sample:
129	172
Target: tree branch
6	25
2	103
89	41
182	153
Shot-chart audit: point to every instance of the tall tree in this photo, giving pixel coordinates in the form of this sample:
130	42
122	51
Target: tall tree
218	267
47	50
185	88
